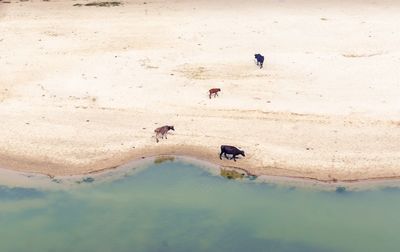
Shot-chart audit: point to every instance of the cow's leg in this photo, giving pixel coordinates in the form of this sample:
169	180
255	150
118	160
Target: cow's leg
261	65
210	95
234	158
220	155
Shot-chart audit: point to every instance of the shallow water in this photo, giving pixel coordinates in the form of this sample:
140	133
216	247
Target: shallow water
181	207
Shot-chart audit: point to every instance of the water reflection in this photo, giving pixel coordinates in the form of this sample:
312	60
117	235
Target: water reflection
174	206
16	193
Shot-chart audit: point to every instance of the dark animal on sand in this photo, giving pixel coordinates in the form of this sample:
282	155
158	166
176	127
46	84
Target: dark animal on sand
231	150
260	59
162	131
214	91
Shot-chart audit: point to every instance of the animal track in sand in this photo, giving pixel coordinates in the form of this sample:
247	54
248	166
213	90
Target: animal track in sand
361	55
100	4
226	72
52	33
146	63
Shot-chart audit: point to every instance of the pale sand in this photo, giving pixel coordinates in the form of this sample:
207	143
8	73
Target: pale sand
83	88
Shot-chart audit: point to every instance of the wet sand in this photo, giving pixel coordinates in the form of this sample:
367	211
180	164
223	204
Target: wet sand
83	88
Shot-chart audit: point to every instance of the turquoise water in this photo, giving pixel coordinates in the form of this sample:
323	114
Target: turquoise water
181	207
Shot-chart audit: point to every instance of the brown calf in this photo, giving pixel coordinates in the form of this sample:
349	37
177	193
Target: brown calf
214	91
162	131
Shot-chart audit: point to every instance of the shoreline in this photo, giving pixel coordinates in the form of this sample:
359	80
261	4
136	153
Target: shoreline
135	165
243	163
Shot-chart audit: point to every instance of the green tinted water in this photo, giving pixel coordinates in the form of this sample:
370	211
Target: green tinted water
181	207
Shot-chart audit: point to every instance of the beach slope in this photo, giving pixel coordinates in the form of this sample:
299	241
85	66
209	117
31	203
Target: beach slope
82	88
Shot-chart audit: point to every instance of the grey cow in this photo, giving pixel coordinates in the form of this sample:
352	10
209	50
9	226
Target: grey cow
162	131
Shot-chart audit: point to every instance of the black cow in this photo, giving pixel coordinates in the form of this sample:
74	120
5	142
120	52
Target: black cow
232	150
260	59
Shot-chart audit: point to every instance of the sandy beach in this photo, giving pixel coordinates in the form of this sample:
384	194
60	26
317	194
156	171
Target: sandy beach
82	88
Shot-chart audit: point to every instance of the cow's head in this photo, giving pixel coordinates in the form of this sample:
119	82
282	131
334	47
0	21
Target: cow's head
171	128
242	153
